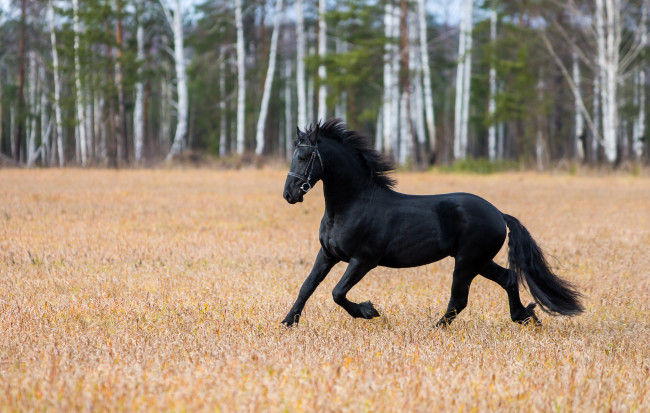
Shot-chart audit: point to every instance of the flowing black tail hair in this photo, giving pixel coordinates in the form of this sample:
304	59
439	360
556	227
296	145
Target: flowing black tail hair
527	262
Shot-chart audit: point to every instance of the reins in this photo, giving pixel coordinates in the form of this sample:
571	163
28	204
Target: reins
306	186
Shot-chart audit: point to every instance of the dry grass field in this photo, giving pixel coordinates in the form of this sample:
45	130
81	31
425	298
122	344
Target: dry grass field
163	290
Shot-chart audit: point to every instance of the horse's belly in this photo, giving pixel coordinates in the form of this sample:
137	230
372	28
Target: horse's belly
407	259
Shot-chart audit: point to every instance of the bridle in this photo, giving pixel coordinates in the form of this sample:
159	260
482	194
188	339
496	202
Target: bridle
306	185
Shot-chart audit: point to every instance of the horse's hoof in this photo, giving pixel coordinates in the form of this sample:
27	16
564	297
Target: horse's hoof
290	320
443	322
530	317
367	310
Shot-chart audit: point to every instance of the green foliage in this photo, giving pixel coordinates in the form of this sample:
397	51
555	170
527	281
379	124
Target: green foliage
481	166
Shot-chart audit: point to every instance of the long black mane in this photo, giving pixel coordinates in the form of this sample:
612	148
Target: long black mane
379	166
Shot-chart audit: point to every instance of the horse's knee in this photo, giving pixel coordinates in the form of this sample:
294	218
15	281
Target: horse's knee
339	296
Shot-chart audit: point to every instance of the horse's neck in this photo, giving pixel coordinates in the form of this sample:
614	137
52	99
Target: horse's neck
346	182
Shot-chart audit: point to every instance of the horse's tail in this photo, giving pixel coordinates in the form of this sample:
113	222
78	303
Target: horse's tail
527	262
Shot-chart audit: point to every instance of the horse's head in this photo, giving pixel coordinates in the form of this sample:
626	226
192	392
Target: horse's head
306	166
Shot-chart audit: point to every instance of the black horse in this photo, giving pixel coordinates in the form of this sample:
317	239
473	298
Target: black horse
368	224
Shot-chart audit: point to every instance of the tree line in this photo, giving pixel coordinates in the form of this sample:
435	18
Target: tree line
133	82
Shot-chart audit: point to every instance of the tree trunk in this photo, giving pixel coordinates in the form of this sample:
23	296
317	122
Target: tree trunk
81	116
288	133
21	82
120	83
46	123
463	81
57	88
300	64
579	120
639	136
268	82
389	116
176	23
426	75
241	79
112	137
222	104
33	110
322	51
492	133
138	115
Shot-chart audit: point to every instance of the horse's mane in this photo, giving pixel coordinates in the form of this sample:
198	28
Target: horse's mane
380	167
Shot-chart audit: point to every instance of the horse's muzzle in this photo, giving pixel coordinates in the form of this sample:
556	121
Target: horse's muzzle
292	199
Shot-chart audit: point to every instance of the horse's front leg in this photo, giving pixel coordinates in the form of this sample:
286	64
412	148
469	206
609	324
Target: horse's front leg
322	266
353	274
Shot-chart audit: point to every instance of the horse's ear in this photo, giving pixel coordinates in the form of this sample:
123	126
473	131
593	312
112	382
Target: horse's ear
299	133
313	137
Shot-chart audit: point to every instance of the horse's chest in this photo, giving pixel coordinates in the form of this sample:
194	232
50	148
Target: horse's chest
336	242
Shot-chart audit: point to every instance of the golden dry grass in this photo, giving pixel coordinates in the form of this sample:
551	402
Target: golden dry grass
162	290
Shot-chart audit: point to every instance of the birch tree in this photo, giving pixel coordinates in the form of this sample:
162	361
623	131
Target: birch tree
268	82
322	51
120	77
579	120
241	78
463	73
176	23
80	134
492	133
300	64
390	113
426	76
138	114
222	104
18	131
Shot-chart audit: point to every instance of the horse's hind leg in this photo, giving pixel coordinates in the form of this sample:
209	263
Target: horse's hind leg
353	274
503	277
463	276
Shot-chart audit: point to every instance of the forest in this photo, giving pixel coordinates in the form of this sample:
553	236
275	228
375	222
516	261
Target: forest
125	83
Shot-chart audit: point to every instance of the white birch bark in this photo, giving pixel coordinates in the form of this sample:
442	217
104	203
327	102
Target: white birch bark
288	119
176	23
395	92
138	115
222	104
165	101
300	64
310	91
463	81
460	75
637	145
539	144
388	116
415	65
322	51
268	82
467	79
640	122
90	135
46	123
492	133
612	56
81	116
241	78
341	109
426	75
58	117
33	109
597	116
579	120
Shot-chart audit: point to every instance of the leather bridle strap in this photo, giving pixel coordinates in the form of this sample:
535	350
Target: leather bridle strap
306	185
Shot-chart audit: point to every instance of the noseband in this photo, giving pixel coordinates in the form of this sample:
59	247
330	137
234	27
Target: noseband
306	185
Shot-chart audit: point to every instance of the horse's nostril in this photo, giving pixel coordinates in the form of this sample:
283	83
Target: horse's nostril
287	195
